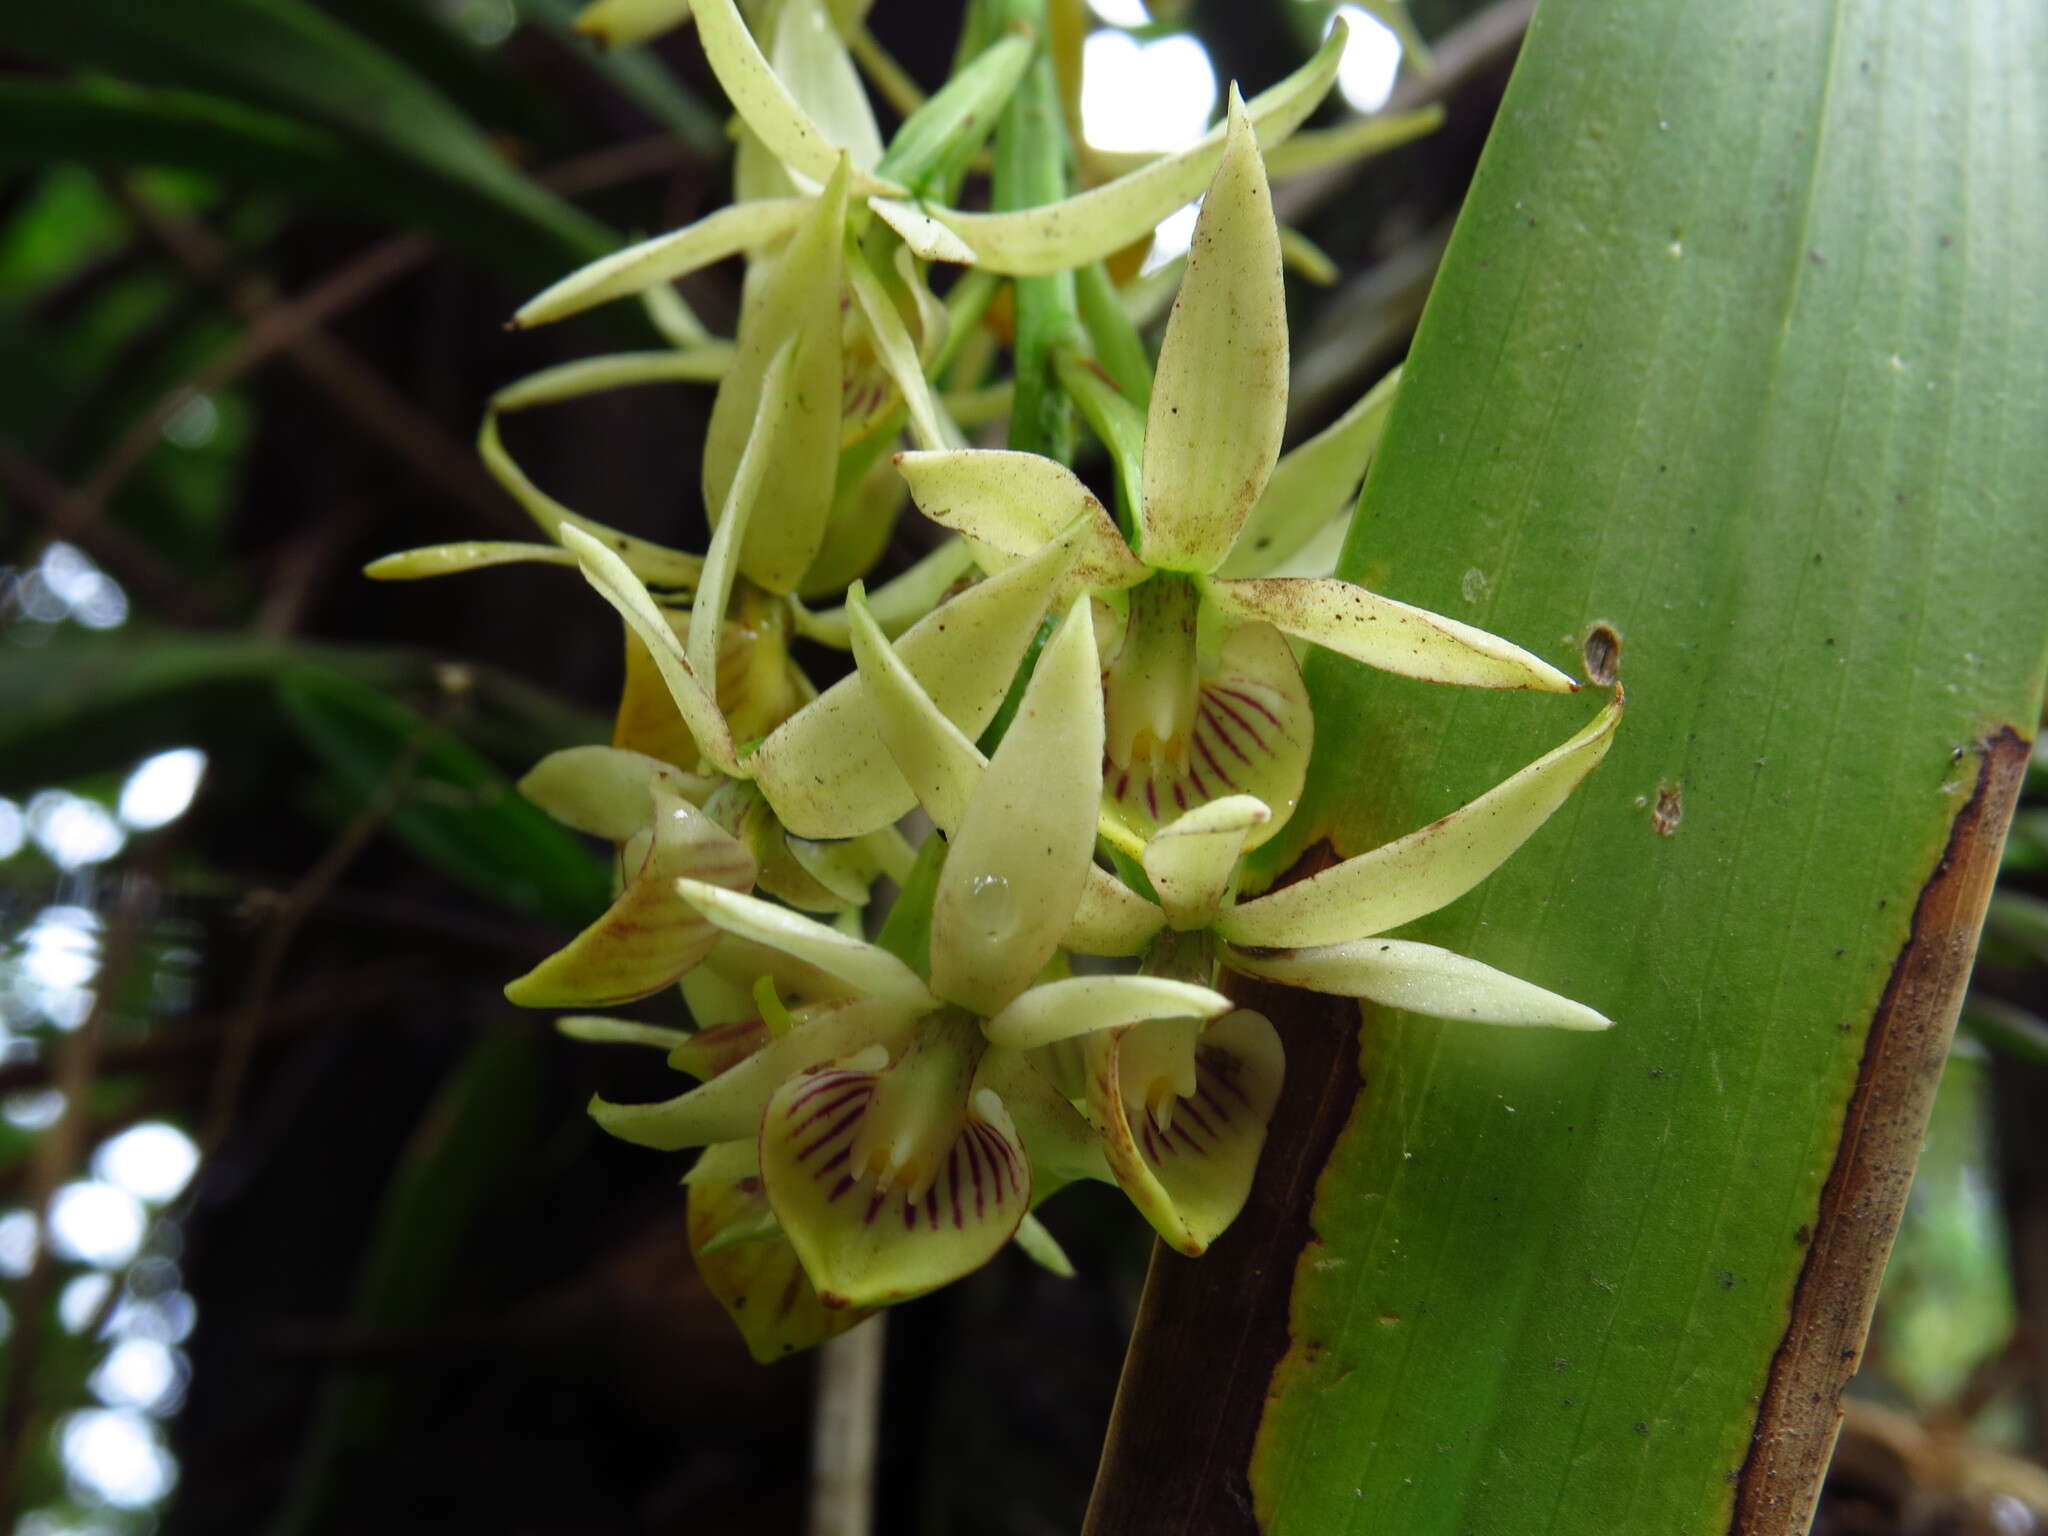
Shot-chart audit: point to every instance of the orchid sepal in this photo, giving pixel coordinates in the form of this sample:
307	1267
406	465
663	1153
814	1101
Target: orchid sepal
1418	978
1429	868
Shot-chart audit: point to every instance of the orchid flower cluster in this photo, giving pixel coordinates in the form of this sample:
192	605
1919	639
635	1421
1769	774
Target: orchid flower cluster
1098	716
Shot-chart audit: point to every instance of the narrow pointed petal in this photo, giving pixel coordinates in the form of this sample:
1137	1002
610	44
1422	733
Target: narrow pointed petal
899	602
875	972
1313	483
670	571
1112	919
1251	732
827	770
796	301
1394	637
1017	503
1316	148
938	762
765	104
1190	1178
1418	978
647	938
866	1236
728	1107
814	66
647	720
1042	1248
1192	860
1077	230
761	1285
1014	871
774	432
1079	1005
471	555
1429	868
663	259
1219	403
925	235
693	696
604	791
603	1029
716	1050
897	353
698	363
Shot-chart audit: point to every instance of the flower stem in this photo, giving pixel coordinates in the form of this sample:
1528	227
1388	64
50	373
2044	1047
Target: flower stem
1032	166
843	1431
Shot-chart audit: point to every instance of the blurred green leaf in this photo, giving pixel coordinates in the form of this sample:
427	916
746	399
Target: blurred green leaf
81	703
283	56
456	811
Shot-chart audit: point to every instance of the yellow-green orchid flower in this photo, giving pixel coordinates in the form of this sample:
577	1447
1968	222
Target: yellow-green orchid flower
901	1134
1204	697
1189	1182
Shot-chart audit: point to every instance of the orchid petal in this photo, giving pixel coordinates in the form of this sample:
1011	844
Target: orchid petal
471	555
604	791
1429	868
1190	1177
797	300
1079	1005
761	1285
669	570
858	530
939	763
765	104
1314	482
726	1161
1383	633
698	363
664	258
775	431
1042	1248
716	1050
898	353
1219	403
1112	919
693	696
868	1237
1192	860
813	64
922	233
1313	149
1076	230
646	938
1014	871
898	603
602	1029
1418	978
647	721
728	1106
827	770
1060	1143
1016	503
874	972
1250	734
